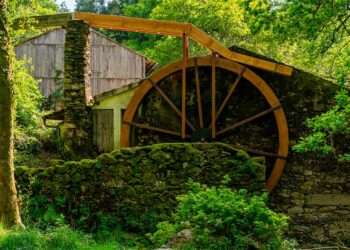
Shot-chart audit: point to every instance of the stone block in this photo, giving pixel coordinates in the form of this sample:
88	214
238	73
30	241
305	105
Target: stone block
318	233
308	172
327	208
295	210
343	212
340	230
328	199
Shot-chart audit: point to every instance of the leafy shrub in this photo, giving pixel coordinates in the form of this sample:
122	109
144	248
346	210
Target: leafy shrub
55	100
35	148
65	238
220	218
28	97
327	128
31	138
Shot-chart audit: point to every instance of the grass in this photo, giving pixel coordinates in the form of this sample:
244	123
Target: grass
61	238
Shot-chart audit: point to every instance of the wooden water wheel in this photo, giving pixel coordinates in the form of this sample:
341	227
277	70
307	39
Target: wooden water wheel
209	99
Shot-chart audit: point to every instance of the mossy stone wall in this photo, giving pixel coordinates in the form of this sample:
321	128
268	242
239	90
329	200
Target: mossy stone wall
136	187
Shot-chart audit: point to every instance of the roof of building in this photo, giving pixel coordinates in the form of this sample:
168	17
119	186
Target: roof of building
117	91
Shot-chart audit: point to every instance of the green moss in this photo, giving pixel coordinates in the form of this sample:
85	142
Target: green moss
138	186
22	170
87	163
106	159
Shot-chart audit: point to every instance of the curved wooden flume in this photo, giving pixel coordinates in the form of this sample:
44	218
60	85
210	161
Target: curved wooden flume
170	28
158	27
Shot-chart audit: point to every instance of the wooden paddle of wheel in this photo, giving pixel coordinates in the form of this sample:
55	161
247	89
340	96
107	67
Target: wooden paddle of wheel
209	99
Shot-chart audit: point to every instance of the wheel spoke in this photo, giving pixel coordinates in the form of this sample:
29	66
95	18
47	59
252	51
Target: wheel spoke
199	97
230	93
185	54
213	96
171	104
259	152
146	126
249	119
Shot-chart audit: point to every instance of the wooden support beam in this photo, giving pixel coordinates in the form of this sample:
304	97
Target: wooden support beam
230	93
151	128
249	119
44	21
213	96
211	43
199	95
141	25
133	24
185	55
171	104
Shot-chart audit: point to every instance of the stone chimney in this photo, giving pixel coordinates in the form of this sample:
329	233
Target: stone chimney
77	126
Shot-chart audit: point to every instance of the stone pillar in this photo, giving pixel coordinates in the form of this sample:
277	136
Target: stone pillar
77	75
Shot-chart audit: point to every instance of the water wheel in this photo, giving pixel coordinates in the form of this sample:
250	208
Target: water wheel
223	101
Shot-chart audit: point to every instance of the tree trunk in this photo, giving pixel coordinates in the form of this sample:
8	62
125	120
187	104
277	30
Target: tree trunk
9	210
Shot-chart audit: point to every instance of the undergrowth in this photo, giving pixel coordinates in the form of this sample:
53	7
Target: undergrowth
60	238
218	218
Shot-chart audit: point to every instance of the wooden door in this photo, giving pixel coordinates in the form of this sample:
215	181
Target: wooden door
103	129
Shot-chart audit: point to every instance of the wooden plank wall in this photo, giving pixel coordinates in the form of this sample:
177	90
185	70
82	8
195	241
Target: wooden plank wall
112	65
103	129
45	57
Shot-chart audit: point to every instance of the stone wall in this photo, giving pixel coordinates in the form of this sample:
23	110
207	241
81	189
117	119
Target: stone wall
77	88
313	191
134	188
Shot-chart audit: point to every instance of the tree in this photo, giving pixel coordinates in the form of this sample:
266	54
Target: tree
103	6
9	209
316	33
223	19
315	36
25	8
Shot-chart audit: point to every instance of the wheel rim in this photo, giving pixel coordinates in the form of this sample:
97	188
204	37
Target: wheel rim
242	73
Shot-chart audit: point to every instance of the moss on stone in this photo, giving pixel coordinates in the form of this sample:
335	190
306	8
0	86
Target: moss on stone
137	186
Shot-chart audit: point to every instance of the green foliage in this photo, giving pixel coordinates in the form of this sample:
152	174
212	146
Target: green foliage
306	19
56	98
165	231
30	135
327	128
220	218
25	8
59	238
221	19
30	240
103	6
312	35
100	194
28	97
